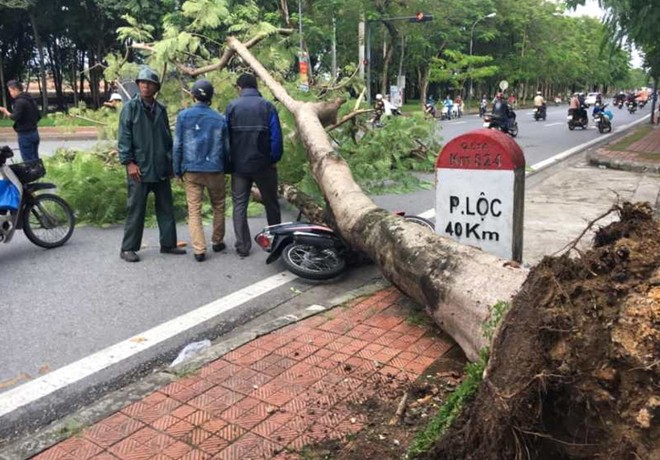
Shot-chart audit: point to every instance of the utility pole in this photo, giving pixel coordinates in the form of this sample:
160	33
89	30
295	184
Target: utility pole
361	49
471	41
334	49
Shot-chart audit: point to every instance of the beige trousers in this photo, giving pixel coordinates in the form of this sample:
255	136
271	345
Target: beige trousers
195	183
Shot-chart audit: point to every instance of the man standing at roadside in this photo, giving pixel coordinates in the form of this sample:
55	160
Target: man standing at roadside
145	148
255	147
201	143
26	116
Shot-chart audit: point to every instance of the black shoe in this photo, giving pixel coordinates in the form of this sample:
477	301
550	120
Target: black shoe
200	257
243	254
175	251
129	256
219	247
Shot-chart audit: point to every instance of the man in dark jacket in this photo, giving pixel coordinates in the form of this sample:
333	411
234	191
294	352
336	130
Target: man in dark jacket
145	148
26	116
201	143
255	146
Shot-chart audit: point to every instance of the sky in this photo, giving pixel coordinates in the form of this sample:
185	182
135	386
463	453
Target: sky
591	8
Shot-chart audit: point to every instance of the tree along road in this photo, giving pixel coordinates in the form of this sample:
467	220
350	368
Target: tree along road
61	306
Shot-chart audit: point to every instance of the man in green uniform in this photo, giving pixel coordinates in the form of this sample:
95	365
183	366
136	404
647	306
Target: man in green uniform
145	148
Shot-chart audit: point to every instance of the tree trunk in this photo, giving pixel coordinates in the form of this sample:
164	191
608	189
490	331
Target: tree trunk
387	58
423	80
457	284
42	65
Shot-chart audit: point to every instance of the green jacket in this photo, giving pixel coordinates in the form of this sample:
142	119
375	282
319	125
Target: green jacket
146	141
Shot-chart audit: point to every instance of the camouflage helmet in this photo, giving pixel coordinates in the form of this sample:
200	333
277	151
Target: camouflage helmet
146	74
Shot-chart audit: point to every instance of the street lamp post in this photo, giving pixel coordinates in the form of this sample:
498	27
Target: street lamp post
493	14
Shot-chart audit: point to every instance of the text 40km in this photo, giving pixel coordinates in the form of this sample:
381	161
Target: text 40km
458	229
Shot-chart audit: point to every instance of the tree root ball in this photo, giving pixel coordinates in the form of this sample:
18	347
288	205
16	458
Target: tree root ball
575	366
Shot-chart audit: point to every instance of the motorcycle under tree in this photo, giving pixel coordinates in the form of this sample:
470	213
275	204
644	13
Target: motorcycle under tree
311	251
45	218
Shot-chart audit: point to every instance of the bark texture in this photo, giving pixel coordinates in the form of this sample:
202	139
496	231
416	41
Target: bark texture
457	284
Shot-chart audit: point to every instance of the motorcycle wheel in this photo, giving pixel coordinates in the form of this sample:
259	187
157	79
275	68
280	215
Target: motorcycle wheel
421	221
601	128
514	130
48	221
313	263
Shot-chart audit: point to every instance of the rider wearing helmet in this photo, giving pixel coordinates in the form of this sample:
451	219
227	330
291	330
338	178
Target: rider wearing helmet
539	103
145	148
201	147
502	111
379	109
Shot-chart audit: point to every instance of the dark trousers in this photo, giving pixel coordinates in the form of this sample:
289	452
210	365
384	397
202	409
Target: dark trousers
241	184
28	144
136	209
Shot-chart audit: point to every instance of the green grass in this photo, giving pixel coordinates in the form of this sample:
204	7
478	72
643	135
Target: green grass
627	141
44	122
450	409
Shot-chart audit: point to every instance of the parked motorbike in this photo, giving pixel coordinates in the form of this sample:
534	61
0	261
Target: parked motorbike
603	119
540	113
45	218
491	122
578	119
312	251
632	107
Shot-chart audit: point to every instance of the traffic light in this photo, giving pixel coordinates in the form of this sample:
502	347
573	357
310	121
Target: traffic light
421	17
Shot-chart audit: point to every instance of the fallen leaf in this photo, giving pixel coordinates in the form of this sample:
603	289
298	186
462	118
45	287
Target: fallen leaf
138	339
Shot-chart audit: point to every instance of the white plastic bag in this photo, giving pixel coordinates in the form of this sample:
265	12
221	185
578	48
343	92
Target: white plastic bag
190	351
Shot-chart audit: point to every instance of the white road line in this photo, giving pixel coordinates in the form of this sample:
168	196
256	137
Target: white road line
74	372
430	214
458	122
552	124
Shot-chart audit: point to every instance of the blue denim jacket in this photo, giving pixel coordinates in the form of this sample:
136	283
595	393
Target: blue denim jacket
201	140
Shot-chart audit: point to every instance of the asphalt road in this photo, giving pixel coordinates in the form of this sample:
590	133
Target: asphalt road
60	306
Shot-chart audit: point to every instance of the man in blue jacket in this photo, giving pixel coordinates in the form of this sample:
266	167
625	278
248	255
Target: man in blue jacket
201	143
255	147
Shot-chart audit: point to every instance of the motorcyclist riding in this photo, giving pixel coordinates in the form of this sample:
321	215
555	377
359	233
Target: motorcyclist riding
539	103
503	112
483	105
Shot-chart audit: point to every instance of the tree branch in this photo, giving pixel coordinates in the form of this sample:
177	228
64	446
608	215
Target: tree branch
224	59
348	117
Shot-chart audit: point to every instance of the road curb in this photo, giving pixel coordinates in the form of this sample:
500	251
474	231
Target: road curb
31	444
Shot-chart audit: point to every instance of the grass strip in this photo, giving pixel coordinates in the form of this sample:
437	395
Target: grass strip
627	141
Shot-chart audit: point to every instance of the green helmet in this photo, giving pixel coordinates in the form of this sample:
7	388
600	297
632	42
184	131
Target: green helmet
146	74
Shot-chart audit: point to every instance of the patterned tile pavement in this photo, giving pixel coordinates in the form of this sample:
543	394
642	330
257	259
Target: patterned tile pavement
642	155
274	395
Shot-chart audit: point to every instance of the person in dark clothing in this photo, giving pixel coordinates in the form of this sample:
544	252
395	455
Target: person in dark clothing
503	112
26	116
145	148
255	147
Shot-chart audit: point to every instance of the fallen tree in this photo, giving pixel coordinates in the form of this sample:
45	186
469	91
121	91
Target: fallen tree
574	370
457	284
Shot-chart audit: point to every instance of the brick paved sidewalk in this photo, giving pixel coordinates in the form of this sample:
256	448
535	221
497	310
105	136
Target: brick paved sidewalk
641	156
269	398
